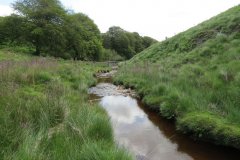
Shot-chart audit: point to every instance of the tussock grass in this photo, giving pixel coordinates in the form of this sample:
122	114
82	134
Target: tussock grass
193	77
44	112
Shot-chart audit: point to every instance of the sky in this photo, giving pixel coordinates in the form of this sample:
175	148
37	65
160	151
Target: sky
155	18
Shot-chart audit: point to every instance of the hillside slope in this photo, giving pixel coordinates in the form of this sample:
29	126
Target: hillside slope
194	77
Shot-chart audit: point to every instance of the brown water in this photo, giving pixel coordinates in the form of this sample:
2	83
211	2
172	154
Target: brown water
147	135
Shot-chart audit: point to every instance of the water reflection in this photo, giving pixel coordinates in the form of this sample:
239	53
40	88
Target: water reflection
148	135
135	131
122	109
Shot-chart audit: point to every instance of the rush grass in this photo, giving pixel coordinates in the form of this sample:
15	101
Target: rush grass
45	114
194	77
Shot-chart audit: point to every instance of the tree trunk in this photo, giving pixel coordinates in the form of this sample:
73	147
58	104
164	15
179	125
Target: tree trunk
37	50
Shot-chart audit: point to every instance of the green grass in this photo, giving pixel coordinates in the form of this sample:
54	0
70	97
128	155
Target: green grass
45	113
194	77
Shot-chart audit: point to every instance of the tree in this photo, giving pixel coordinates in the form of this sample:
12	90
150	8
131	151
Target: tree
2	34
148	41
107	41
117	39
83	37
11	28
45	20
53	30
125	43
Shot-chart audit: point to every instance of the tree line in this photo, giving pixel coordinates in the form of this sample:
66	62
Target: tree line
53	30
126	44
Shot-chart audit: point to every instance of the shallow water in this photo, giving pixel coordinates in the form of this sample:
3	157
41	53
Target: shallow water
147	135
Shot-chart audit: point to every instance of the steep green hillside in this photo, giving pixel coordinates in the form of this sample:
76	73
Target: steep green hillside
194	77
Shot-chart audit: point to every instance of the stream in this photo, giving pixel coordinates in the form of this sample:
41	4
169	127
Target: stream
144	133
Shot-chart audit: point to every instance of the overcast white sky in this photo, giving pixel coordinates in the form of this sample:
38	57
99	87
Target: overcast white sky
154	18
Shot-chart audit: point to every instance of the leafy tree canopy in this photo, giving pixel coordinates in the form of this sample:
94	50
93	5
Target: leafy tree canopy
126	44
46	25
84	39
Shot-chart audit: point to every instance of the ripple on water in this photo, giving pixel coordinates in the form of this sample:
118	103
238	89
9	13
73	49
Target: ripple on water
108	89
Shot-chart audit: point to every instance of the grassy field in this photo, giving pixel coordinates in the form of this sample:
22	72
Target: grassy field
194	78
45	114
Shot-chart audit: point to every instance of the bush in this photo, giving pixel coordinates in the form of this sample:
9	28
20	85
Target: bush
110	55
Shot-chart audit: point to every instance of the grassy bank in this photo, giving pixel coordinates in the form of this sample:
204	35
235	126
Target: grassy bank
194	77
45	114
